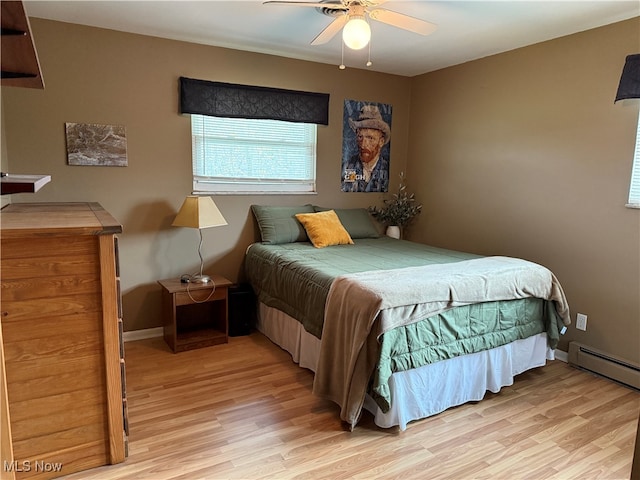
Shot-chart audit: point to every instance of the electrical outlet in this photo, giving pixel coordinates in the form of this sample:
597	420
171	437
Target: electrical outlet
581	322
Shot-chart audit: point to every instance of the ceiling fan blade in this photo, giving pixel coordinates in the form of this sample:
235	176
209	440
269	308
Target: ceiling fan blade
332	6
403	21
329	32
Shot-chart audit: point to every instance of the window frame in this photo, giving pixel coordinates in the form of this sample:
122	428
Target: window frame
228	185
634	183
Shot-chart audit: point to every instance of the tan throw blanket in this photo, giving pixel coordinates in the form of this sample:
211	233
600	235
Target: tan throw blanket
362	306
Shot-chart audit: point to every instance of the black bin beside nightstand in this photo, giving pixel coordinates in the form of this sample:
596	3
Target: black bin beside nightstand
242	310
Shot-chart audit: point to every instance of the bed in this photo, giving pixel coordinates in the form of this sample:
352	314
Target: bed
401	329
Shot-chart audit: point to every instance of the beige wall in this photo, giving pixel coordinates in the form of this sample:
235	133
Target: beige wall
525	154
101	76
521	154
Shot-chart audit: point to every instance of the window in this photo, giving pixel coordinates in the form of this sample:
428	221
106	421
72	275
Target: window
252	139
237	155
634	189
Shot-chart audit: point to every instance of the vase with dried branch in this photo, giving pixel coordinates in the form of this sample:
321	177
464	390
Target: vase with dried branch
398	211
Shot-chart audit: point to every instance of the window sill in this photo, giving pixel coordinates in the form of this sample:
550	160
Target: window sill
211	192
633	205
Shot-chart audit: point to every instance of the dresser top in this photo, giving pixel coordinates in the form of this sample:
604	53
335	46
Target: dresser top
82	218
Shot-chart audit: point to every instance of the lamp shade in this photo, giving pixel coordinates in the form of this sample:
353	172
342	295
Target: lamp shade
199	212
629	86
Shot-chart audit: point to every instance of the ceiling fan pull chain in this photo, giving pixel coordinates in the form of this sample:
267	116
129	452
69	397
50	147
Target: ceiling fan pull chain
369	58
342	67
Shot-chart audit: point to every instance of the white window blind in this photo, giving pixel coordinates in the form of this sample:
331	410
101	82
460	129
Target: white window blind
237	155
634	189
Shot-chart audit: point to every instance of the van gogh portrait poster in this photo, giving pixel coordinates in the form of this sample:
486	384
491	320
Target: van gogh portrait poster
366	146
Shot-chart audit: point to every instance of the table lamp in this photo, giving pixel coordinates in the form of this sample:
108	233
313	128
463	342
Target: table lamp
199	212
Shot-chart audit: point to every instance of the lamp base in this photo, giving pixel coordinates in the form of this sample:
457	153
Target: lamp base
201	279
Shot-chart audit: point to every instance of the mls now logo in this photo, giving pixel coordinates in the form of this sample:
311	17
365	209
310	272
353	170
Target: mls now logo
31	466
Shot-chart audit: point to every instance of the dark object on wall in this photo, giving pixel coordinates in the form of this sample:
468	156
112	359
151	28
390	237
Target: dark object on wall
242	310
629	86
230	100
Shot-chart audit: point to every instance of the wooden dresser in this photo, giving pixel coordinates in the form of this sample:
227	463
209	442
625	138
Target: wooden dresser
62	339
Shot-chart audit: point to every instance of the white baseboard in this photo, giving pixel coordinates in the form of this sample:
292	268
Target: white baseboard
142	334
562	356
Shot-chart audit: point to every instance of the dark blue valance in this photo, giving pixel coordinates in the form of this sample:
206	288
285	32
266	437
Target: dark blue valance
247	101
629	86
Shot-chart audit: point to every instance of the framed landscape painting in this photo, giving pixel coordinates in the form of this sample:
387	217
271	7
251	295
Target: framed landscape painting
96	145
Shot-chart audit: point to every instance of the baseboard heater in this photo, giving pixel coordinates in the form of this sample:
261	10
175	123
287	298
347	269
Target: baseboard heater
604	364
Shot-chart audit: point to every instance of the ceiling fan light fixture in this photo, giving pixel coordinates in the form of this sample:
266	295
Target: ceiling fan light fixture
356	33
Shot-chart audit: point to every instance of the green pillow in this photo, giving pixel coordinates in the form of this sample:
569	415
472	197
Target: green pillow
356	221
279	224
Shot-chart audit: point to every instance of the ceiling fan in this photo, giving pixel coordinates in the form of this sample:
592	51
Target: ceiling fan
350	16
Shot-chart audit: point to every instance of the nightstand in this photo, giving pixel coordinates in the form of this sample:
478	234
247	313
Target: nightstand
195	315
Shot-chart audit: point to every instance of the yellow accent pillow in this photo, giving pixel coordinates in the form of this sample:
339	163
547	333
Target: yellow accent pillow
324	228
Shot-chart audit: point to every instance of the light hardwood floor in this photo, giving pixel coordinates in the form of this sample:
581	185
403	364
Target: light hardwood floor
244	411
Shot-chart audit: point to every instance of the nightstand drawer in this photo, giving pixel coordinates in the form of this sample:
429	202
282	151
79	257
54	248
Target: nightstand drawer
203	295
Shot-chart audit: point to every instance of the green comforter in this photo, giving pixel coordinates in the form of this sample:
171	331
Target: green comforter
296	277
459	331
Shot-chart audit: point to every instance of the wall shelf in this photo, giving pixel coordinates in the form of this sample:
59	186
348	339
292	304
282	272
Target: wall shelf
22	183
20	65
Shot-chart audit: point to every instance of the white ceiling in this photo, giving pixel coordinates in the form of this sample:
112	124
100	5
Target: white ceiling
467	30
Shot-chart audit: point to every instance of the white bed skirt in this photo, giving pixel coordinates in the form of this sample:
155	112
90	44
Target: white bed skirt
424	391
